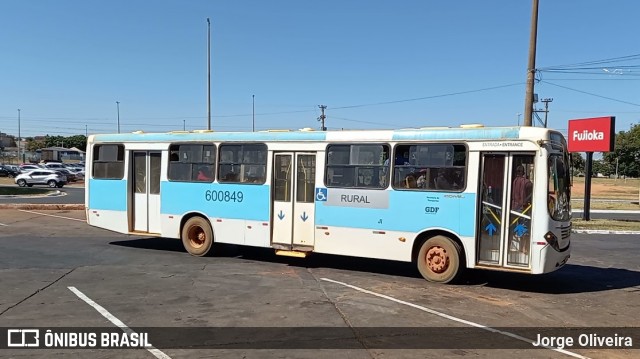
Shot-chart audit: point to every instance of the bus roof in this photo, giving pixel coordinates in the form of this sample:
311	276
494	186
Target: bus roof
439	133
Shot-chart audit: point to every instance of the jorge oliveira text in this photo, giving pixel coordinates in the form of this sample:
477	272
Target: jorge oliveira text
590	340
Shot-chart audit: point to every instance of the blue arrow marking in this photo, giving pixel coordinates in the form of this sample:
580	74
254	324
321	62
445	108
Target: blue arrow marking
520	229
304	216
490	228
281	215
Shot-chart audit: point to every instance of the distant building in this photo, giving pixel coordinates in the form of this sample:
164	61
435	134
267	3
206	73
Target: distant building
60	154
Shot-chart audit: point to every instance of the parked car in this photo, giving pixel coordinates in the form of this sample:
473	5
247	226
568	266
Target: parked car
5	171
53	165
29	167
14	168
50	178
71	177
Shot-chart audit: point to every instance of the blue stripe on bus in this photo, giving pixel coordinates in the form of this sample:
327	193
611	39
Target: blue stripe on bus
458	134
108	194
222	200
212	136
408	211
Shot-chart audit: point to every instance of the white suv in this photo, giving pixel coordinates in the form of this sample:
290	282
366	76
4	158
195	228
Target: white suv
41	176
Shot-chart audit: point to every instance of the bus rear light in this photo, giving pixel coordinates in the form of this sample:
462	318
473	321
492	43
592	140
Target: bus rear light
552	240
541	243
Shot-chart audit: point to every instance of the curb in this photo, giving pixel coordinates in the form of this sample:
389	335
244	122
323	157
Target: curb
42	206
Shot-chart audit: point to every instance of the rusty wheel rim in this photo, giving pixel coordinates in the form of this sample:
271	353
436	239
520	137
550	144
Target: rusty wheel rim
197	237
437	259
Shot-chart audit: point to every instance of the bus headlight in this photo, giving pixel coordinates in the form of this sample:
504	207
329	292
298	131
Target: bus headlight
552	240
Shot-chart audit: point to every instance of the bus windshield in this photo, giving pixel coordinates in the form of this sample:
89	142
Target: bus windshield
559	193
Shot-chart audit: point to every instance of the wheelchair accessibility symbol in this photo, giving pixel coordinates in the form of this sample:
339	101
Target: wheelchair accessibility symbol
321	194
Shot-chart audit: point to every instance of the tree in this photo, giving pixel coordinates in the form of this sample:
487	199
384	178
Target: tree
626	152
77	141
33	145
577	163
600	166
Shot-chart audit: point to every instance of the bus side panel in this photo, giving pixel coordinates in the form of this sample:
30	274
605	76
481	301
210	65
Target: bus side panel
107	205
389	233
237	212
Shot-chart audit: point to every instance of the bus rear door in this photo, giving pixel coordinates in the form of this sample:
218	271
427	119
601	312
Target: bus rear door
145	182
293	211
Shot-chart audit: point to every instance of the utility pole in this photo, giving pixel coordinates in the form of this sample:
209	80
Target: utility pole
208	74
546	109
253	113
322	117
86	131
531	67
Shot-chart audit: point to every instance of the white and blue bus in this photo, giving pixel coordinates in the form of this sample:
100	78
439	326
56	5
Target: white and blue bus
446	199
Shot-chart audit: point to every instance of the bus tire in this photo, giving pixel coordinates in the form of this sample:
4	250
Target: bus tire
439	259
197	236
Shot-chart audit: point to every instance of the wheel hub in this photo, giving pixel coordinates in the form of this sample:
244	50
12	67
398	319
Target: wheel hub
197	237
437	259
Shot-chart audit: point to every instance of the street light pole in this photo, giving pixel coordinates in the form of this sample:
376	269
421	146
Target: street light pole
118	105
519	114
253	117
19	152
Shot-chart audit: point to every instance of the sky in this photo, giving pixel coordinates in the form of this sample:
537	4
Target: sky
375	64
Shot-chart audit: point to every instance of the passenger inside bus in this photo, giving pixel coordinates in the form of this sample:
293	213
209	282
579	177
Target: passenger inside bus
410	181
203	174
441	182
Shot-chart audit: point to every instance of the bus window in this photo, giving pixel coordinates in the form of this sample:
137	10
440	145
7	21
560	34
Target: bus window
242	163
191	162
108	161
357	166
436	167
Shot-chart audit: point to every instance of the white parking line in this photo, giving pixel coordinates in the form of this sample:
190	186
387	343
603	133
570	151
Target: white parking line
455	319
2	224
52	215
117	322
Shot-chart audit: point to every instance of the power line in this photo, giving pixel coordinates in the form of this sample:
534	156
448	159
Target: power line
428	97
603	61
591	94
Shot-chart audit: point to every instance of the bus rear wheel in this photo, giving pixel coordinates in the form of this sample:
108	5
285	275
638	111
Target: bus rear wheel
439	259
197	236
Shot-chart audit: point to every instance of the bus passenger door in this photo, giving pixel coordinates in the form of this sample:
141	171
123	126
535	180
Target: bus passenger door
505	220
145	179
293	207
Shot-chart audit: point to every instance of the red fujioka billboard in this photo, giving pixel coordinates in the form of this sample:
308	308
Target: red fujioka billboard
592	134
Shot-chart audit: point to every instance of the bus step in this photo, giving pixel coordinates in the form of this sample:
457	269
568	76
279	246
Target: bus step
297	254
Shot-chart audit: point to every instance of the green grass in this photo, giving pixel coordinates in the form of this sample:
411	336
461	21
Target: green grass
607	224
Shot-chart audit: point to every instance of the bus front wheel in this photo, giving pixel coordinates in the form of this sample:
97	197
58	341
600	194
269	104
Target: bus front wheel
197	236
439	259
